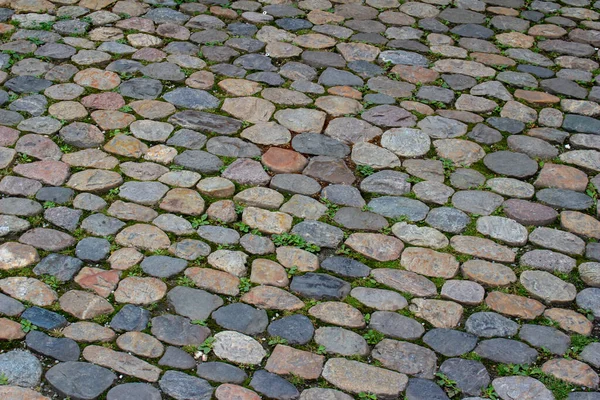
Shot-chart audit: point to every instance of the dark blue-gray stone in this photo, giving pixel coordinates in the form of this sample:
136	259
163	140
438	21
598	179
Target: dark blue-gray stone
221	372
44	319
545	337
506	351
61	266
141	88
581	124
92	249
130	318
470	376
80	380
507	125
273	386
270	78
319	233
20	368
163	266
511	164
490	324
293	24
191	98
182	386
134	391
396	207
200	161
206	122
473	31
563	198
346	267
58	195
61	349
242	318
174	357
320	286
424	389
195	304
10	306
319	145
102	225
336	77
450	342
27	84
296	329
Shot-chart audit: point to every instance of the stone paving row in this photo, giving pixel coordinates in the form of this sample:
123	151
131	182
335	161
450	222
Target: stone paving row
315	200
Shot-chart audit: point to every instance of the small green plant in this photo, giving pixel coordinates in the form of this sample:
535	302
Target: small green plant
289	239
367	396
365	170
174	167
321	349
242	227
244	285
207	345
277	340
448	166
51	281
373	336
367	318
185	281
49	204
366	208
448	385
292	271
200	322
3	380
490	393
27	326
343	249
35	40
126	109
200	221
24	158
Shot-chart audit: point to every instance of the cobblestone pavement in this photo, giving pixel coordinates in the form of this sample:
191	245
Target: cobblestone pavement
315	200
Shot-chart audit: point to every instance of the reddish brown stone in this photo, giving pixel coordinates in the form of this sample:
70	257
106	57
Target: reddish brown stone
493	59
345	91
28	289
570	321
529	213
561	177
110	119
104	101
272	298
84	305
19	393
50	172
97	79
16	255
537	98
214	281
286	360
414	74
284	161
572	371
267	272
183	201
136	290
580	224
513	305
229	391
10	330
99	280
8	136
